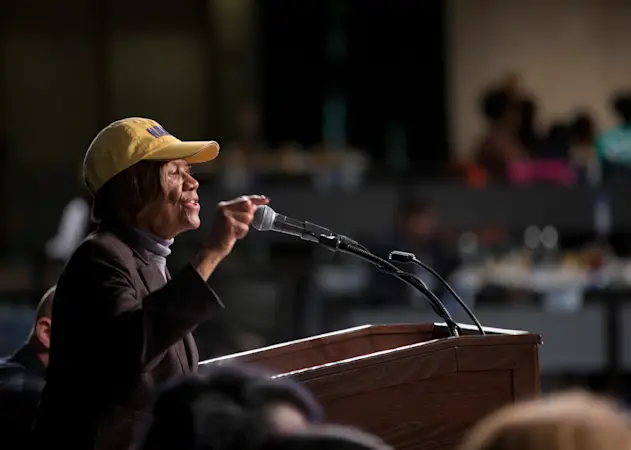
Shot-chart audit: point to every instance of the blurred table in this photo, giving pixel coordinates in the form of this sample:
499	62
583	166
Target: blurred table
575	342
562	285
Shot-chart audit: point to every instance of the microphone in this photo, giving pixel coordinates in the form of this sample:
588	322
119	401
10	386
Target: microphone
266	219
407	257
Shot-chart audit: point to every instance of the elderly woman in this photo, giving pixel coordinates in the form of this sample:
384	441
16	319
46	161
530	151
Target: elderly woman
122	323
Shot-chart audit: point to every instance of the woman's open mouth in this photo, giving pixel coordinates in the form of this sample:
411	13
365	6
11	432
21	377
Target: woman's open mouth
192	204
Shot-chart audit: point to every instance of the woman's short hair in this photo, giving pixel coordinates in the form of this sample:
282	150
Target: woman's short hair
123	197
222	404
566	421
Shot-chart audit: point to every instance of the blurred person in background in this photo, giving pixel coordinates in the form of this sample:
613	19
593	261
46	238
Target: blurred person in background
122	324
419	232
556	144
567	421
613	147
74	226
528	132
22	378
582	147
238	405
513	85
500	145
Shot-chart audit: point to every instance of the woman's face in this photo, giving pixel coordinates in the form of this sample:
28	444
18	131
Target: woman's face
177	210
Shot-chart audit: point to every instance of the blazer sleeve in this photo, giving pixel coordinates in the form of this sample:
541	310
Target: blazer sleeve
130	331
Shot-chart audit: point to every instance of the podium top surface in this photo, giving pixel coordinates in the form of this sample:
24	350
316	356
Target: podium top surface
377	338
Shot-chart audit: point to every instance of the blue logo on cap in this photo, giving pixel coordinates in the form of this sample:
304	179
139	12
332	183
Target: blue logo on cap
158	131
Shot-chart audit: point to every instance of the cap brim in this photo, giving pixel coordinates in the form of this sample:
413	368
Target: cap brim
192	152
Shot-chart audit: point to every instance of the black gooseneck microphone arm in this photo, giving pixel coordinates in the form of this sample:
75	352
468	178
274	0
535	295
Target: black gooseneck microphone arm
345	245
266	219
406	257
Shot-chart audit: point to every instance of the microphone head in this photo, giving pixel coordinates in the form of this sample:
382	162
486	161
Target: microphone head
263	218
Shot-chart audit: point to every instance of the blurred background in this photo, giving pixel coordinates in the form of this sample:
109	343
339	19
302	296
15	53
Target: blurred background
492	138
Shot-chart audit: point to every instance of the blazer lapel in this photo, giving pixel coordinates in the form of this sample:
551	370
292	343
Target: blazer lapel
152	277
190	357
192	354
150	273
182	351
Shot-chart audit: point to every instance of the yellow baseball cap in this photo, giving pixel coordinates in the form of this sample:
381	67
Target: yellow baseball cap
126	142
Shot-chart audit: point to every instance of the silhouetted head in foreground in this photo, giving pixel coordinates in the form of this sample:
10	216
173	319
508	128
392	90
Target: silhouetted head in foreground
231	407
328	437
569	421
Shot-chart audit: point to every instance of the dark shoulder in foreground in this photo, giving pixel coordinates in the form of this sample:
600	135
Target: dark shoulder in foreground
19	389
9	369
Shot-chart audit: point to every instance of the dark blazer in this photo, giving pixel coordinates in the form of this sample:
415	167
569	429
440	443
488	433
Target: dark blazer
120	330
21	384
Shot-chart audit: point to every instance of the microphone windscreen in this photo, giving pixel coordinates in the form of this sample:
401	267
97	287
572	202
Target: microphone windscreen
263	218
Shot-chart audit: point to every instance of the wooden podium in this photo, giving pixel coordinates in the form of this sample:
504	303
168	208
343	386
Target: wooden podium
412	385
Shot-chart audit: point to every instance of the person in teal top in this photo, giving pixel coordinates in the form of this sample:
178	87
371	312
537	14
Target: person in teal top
613	147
